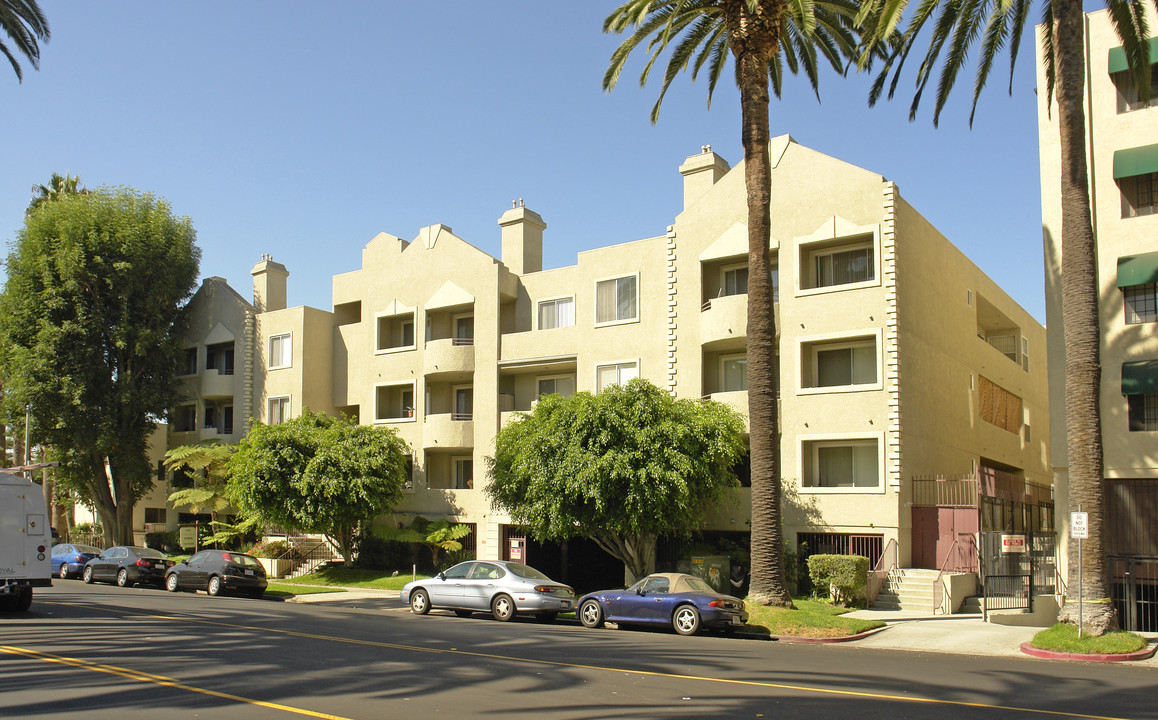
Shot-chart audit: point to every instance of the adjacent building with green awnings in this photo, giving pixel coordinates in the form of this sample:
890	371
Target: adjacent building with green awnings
1137	269
1140	377
1132	162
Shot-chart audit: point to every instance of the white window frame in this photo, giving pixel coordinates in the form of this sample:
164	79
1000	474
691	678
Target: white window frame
287	354
285	415
724	270
617	321
554	300
811	443
408	385
563	376
456	461
616	364
413	322
454	319
454	390
724	359
825	242
836	341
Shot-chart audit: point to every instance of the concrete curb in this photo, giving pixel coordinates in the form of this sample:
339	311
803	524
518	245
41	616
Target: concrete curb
1143	654
829	640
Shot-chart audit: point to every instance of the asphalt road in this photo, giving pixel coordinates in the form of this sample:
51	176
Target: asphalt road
105	652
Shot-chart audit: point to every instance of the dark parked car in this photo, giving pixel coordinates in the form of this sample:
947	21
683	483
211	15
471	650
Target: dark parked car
217	572
69	559
126	565
685	602
499	587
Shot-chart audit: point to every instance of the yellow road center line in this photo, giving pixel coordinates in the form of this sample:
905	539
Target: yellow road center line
158	680
649	673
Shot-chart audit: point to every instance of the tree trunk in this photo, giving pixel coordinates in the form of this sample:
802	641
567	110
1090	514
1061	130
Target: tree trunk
1079	281
767	581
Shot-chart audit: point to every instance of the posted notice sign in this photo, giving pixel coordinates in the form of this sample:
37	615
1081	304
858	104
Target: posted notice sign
1013	543
1079	525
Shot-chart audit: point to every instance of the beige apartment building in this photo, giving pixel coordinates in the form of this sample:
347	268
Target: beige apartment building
1122	146
905	372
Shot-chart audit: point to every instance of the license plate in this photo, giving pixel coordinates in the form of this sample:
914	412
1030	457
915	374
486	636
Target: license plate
736	621
248	572
566	604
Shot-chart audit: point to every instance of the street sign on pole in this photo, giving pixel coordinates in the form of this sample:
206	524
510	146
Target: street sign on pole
1079	525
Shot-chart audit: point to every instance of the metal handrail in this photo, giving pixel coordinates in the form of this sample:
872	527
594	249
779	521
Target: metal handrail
938	588
880	574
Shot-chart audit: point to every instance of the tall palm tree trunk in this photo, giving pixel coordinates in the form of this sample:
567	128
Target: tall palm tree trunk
767	586
1083	370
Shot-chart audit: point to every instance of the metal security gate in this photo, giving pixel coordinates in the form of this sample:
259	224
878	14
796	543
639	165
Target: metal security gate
1015	567
1134	589
1131	540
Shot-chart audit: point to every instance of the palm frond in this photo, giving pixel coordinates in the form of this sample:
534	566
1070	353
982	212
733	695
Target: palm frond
25	25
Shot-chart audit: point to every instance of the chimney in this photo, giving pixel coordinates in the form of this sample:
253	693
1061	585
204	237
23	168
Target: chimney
522	239
269	284
700	173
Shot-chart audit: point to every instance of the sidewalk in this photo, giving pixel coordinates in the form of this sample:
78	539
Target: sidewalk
963	634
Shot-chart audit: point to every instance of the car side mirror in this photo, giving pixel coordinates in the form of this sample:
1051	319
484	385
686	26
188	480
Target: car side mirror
441	575
639	591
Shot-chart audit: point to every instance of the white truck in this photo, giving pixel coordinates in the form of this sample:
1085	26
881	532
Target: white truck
25	542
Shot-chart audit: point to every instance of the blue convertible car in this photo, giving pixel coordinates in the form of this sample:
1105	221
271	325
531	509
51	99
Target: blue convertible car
685	602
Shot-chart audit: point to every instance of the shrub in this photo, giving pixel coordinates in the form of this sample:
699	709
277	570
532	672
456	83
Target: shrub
843	576
164	541
450	559
375	553
276	549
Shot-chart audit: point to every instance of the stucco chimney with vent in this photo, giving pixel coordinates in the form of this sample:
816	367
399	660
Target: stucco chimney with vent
700	173
522	239
269	285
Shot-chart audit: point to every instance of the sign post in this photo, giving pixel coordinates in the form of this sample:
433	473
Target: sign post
1079	530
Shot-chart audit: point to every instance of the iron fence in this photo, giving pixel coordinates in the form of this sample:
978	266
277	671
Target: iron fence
1008	592
1134	590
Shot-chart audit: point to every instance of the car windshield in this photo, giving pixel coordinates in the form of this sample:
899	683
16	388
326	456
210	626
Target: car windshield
87	549
243	560
526	571
149	553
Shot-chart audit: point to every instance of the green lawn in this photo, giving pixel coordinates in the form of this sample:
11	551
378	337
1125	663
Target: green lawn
340	577
1064	638
279	588
811	618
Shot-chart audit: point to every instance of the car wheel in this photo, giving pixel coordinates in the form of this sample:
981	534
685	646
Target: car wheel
87	575
463	613
591	614
547	617
256	594
123	578
686	620
419	602
63	571
214	586
171	583
503	608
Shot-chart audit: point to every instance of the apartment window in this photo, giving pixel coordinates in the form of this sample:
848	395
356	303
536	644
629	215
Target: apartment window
841	363
464	330
1141	303
734	373
560	384
1143	412
841	266
220	358
617	374
843	464
463	403
463	473
775	283
617	300
394	402
280	351
999	407
279	410
1139	194
1128	99
185	418
210	416
396	332
155	515
189	363
227	420
735	280
556	313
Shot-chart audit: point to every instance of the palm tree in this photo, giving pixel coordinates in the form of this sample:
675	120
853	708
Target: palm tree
998	25
763	36
57	188
24	24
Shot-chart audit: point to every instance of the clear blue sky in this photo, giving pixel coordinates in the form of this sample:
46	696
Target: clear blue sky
303	130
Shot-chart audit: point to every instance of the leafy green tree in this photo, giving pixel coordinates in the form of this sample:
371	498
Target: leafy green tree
58	186
318	474
92	315
435	535
764	37
207	460
24	24
995	26
620	467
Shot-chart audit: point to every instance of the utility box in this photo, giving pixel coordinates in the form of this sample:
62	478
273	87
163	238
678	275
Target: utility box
25	542
714	570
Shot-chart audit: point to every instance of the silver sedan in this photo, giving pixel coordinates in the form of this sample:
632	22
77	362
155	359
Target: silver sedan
504	589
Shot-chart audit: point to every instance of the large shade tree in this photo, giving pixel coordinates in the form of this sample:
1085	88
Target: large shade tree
25	25
92	314
765	38
318	474
993	27
621	468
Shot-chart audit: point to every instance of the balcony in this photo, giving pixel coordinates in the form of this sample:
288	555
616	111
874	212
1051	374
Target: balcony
448	431
737	400
532	344
448	358
217	384
724	322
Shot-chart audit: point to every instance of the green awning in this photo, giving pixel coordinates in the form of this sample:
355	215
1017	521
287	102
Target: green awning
1140	378
1118	57
1138	269
1135	161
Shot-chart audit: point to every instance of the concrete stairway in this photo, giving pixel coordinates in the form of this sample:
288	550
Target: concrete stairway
909	589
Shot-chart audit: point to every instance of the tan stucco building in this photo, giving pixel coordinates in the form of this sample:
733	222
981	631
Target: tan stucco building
1122	147
900	360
